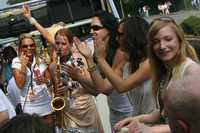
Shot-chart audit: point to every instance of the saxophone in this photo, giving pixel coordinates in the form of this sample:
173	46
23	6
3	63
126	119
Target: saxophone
58	102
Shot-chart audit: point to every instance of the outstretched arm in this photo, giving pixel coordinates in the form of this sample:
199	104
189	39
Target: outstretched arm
27	14
118	83
123	85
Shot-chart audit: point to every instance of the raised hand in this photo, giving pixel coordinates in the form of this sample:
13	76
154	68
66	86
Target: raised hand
83	48
26	11
72	71
24	59
100	47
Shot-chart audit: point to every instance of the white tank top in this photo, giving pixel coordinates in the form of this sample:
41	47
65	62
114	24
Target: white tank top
140	97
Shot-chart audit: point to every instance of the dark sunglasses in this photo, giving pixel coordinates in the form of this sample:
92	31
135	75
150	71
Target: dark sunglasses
120	33
26	46
96	27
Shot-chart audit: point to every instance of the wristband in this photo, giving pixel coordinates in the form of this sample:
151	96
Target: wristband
92	68
32	20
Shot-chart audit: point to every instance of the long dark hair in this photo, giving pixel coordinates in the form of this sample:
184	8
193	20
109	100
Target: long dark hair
9	53
110	23
135	41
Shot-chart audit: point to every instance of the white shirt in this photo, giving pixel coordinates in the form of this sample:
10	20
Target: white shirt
40	102
5	105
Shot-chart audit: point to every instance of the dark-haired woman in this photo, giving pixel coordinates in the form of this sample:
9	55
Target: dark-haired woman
104	26
135	69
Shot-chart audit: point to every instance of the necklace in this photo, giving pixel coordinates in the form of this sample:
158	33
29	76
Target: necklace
162	85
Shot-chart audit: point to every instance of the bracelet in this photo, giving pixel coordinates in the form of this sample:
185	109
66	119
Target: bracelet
32	20
92	68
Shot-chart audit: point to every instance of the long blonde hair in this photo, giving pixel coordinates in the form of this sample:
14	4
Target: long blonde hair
157	66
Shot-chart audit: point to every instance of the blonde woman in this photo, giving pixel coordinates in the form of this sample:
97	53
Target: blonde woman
32	78
171	57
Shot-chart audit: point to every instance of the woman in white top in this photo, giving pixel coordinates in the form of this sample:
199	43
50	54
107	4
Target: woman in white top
171	58
32	77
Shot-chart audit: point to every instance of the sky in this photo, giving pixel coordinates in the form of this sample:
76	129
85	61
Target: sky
3	4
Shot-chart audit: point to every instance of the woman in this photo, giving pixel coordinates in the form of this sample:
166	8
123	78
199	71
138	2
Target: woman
32	77
75	117
171	57
135	67
80	112
119	104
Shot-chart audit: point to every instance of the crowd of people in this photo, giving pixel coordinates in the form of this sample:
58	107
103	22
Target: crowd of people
195	4
146	71
165	8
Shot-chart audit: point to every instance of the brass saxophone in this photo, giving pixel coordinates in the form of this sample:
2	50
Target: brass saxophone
58	102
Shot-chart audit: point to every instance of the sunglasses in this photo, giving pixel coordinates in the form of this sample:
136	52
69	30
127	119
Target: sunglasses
96	27
120	33
164	18
26	46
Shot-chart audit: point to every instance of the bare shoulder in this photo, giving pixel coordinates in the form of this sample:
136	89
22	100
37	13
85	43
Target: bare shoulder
193	69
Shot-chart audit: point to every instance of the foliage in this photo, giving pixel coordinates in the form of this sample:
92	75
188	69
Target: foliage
191	25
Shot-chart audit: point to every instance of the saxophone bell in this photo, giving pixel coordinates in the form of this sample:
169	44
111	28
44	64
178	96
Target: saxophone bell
58	103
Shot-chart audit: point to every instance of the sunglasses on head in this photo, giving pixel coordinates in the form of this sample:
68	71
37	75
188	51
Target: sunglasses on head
25	35
164	18
96	27
26	46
